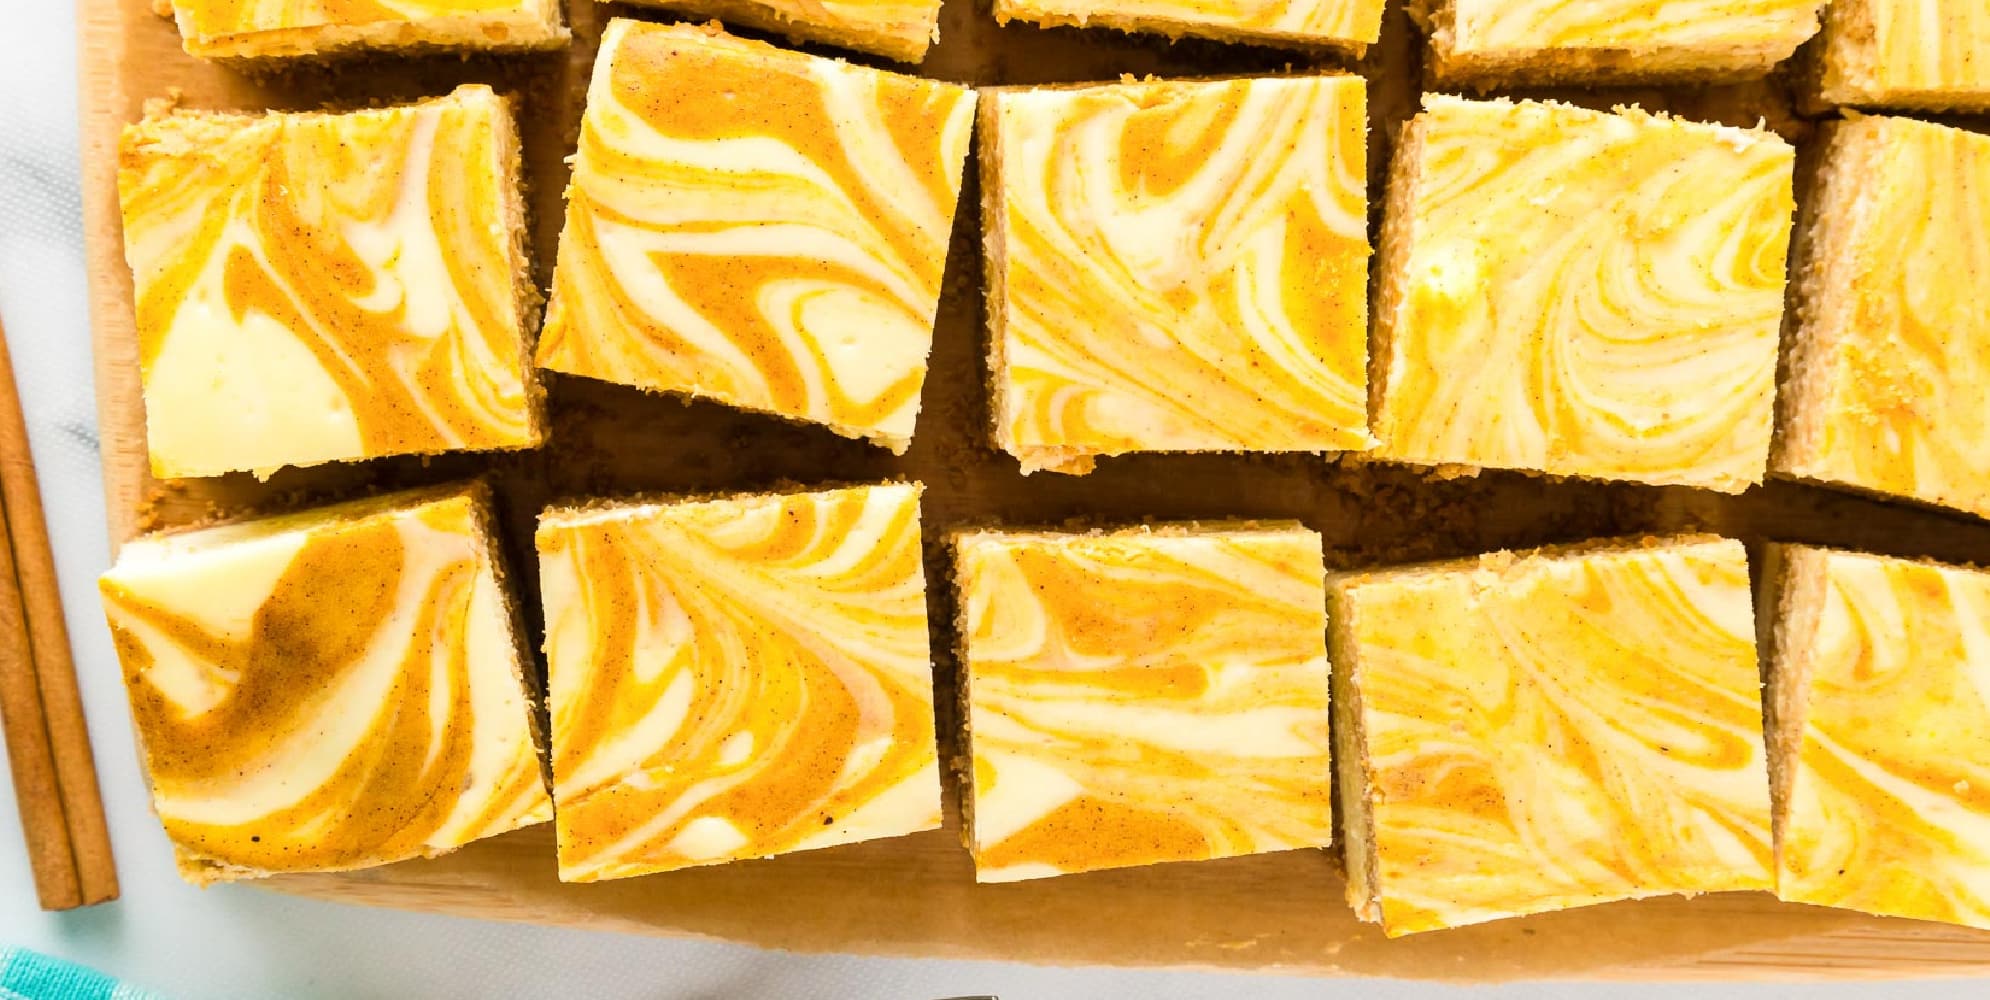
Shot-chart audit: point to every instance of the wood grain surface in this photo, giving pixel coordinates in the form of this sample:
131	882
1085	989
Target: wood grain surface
916	896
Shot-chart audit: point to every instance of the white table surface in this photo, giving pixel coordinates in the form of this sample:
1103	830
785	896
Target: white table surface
237	941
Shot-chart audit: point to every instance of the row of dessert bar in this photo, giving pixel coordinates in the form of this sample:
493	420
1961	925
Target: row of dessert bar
742	677
1172	267
1900	53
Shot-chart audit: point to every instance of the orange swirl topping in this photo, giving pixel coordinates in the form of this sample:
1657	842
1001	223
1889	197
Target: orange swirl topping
314	288
328	690
1887	376
737	678
1177	267
896	29
1932	54
259	29
1144	696
761	227
1884	711
1348	24
1579	293
1535	733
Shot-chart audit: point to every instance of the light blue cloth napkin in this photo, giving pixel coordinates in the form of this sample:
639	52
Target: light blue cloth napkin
31	975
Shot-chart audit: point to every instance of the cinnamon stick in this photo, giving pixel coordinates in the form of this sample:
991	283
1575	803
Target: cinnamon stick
30	755
57	705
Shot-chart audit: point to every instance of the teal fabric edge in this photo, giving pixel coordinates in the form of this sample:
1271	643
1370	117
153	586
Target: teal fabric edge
31	975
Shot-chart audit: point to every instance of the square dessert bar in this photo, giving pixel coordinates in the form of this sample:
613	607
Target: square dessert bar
737	678
1347	25
1578	293
1928	54
1538	41
1177	266
1891	350
1523	733
1149	695
331	689
760	227
314	288
1880	734
244	29
895	29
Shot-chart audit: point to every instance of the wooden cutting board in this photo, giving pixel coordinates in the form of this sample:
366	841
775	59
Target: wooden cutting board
916	895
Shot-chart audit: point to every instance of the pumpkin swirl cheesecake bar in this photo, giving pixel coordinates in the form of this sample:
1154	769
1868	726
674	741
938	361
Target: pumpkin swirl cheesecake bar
1932	55
1140	696
736	678
1532	42
896	29
1349	26
1890	353
1879	733
331	689
1581	293
1176	267
1531	732
283	30
316	288
758	227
